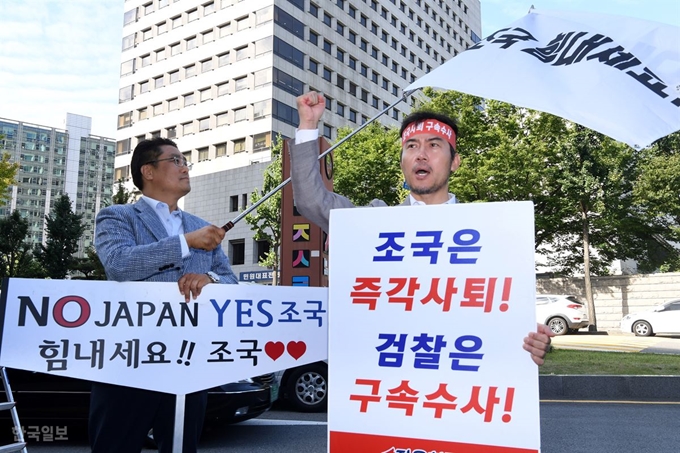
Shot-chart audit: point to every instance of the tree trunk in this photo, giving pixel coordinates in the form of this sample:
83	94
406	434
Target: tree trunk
592	327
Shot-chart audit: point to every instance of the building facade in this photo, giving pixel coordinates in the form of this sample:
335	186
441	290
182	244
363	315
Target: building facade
55	162
220	77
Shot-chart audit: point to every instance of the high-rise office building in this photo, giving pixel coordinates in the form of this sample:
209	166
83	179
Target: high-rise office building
220	77
54	162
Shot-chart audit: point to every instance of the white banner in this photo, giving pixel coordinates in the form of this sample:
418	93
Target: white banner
617	75
430	306
144	335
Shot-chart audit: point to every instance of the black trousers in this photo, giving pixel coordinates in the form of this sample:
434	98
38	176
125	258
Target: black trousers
121	417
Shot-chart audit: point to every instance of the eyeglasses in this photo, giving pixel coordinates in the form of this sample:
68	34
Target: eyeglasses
179	162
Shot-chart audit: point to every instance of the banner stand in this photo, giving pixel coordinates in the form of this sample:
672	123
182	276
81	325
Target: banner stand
178	436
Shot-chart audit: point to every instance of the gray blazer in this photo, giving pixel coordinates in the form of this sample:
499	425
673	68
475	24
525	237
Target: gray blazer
133	245
312	198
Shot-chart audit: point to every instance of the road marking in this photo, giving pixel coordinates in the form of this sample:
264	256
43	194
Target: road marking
270	422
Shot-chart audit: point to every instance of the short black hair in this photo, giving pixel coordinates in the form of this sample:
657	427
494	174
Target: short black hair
423	115
145	152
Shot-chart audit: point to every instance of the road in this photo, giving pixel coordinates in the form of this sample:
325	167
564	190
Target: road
566	427
618	341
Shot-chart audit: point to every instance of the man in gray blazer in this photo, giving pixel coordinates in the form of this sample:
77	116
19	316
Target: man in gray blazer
428	158
153	240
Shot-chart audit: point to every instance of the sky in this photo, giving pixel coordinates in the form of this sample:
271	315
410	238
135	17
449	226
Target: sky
63	56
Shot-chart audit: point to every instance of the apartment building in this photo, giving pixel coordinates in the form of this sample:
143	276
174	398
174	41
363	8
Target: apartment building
220	77
53	162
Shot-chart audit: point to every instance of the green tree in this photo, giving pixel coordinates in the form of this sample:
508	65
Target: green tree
367	166
14	251
122	195
8	172
90	265
265	221
64	229
658	198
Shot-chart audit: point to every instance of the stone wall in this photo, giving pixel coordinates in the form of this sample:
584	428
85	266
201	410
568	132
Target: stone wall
617	295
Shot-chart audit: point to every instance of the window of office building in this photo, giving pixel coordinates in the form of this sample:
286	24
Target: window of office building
160	54
222	89
237	248
264	15
241	84
123	146
207	36
128	41
262	77
158	82
241	53
242	23
142	113
205	94
124	120
125	93
239	145
161	28
189	99
263	46
221	119
220	149
130	16
127	67
202	154
158	109
206	65
261	142
289	53
174	77
240	114
208	8
176	21
189	71
146	60
147	34
188	128
223	59
191	43
192	15
171	132
225	29
204	124
289	23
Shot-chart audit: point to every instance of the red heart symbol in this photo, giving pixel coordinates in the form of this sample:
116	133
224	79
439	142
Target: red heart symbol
274	349
296	349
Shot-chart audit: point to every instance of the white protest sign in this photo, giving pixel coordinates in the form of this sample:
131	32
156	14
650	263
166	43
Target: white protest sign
430	305
144	335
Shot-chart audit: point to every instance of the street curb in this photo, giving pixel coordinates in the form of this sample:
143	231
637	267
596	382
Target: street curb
595	387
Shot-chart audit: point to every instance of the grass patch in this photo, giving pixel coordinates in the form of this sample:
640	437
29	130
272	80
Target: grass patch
568	361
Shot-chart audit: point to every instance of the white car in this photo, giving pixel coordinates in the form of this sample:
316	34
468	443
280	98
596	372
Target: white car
664	319
562	313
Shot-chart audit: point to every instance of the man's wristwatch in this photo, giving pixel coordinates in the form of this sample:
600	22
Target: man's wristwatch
214	278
